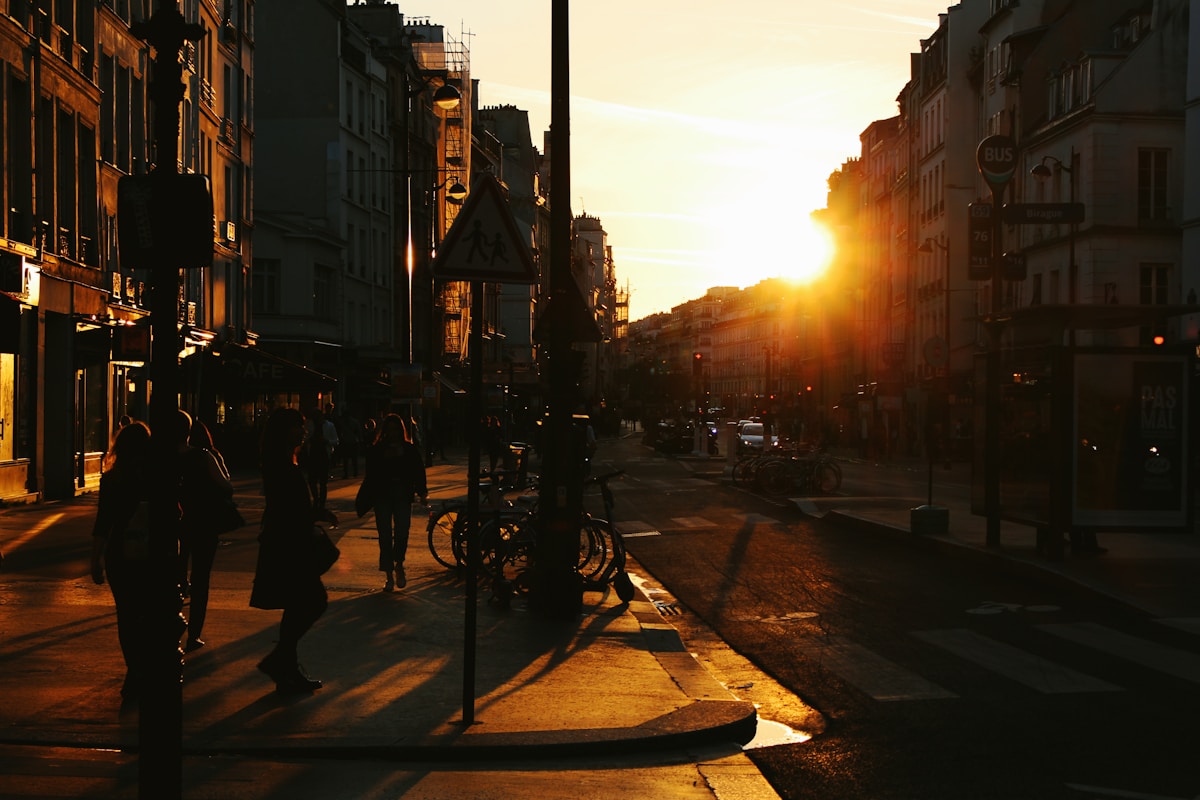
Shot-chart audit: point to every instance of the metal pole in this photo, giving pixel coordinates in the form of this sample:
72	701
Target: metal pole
474	413
991	445
559	587
946	432
160	722
1071	268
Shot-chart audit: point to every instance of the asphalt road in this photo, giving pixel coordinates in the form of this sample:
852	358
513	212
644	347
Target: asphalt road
934	677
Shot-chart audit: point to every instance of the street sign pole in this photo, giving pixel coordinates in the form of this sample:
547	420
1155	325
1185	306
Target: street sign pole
160	719
996	158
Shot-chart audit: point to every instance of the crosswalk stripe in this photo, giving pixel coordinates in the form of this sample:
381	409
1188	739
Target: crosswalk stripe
1187	624
756	518
1166	659
875	675
693	522
1033	671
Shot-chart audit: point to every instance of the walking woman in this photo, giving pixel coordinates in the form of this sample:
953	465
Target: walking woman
395	473
204	491
283	578
120	543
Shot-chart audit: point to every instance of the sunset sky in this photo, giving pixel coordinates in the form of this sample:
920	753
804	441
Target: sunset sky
702	134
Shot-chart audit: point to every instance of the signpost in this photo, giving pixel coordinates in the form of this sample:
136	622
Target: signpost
483	244
996	158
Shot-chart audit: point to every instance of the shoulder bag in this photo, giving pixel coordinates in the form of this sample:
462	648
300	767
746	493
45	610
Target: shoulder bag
323	553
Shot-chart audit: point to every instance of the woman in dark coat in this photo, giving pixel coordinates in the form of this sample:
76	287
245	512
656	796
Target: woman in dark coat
120	543
283	577
395	474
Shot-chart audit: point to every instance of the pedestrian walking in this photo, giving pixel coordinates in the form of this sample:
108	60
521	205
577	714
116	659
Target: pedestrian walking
284	578
395	474
350	438
208	510
120	544
317	455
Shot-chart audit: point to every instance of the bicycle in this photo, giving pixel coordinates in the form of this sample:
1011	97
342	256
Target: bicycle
446	530
508	546
612	567
815	471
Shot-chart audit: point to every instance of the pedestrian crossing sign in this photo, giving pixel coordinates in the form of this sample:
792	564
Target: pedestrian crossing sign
484	243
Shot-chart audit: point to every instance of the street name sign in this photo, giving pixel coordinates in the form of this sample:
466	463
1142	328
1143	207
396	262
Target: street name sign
484	243
1043	213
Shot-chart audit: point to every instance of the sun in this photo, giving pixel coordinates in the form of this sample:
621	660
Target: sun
811	253
784	244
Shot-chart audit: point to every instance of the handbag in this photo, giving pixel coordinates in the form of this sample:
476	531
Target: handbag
322	552
364	501
225	516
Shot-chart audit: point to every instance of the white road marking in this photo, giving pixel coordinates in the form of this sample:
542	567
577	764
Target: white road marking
756	519
1033	671
1106	792
875	675
693	522
1187	624
1159	657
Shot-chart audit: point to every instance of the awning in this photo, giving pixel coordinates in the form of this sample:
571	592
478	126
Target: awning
237	369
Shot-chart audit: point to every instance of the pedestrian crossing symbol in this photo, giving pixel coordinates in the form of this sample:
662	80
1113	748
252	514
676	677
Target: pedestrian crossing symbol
484	243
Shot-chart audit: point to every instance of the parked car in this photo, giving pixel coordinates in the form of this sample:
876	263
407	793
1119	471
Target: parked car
752	436
678	437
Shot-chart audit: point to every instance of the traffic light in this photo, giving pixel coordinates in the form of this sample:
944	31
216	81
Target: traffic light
979	238
697	364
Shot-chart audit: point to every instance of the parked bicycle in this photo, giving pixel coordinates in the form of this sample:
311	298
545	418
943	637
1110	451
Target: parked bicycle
508	545
785	469
446	530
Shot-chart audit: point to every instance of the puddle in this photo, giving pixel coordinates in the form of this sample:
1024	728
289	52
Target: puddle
771	733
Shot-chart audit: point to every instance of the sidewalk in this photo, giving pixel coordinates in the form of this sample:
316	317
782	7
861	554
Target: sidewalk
615	682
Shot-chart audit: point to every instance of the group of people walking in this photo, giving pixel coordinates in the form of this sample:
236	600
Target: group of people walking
286	578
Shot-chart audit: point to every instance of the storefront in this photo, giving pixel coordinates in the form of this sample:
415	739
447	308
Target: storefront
234	387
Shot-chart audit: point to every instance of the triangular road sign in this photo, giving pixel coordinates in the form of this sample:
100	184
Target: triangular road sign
484	243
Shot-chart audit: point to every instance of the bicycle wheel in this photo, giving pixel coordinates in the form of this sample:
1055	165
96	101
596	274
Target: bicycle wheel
741	471
506	549
595	548
827	477
445	538
775	479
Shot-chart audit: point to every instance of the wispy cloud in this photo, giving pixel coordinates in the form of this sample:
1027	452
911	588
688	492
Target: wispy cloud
917	22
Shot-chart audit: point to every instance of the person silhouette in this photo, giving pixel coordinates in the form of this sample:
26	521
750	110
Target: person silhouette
477	239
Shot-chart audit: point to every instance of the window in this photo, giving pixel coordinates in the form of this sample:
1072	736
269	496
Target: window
266	285
1152	185
323	280
1153	284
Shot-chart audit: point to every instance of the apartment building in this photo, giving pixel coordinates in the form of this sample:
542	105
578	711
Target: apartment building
73	319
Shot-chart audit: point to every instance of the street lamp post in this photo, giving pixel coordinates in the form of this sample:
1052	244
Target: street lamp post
1052	543
1042	172
930	518
928	246
447	98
